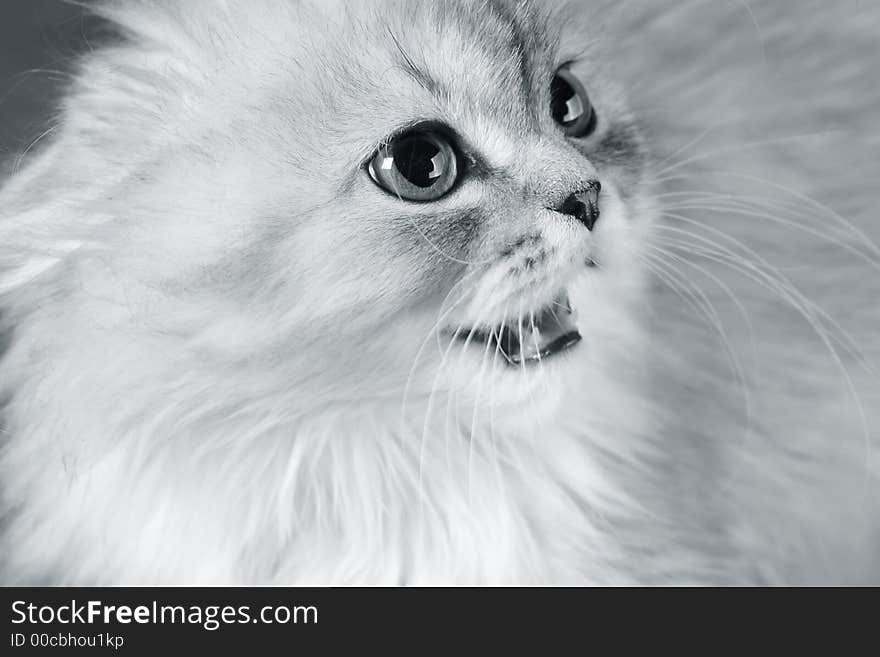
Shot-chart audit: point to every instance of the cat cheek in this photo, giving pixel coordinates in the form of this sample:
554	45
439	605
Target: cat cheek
620	154
449	235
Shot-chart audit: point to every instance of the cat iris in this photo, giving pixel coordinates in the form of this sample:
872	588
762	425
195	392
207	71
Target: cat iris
423	164
419	165
570	105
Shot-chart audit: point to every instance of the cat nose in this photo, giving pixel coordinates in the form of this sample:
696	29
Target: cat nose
583	204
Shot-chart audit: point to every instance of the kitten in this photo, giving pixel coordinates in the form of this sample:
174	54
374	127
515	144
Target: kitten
409	292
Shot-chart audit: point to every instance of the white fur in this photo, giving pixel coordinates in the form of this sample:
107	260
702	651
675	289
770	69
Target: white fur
201	394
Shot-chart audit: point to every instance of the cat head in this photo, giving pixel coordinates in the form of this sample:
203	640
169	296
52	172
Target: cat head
368	197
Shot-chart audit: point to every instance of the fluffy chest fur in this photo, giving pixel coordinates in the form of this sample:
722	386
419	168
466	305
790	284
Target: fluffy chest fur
191	477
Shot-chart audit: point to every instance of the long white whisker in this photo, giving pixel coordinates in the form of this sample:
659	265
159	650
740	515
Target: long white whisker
814	317
715	320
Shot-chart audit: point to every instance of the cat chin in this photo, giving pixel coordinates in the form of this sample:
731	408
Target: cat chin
512	398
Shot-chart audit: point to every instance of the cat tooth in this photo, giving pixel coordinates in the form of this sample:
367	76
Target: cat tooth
530	346
564	303
508	344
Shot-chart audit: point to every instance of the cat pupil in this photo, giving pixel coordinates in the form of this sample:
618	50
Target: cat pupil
566	106
419	160
570	106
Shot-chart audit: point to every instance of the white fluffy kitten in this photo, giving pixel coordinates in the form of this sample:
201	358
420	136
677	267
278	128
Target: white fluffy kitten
287	298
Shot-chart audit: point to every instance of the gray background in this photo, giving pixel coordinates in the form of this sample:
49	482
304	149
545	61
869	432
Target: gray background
39	43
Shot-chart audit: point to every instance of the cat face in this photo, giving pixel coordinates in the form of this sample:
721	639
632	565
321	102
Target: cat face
406	195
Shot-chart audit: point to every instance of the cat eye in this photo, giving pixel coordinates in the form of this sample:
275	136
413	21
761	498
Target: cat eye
570	105
420	165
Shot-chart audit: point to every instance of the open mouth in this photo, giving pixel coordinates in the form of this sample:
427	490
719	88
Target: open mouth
534	337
